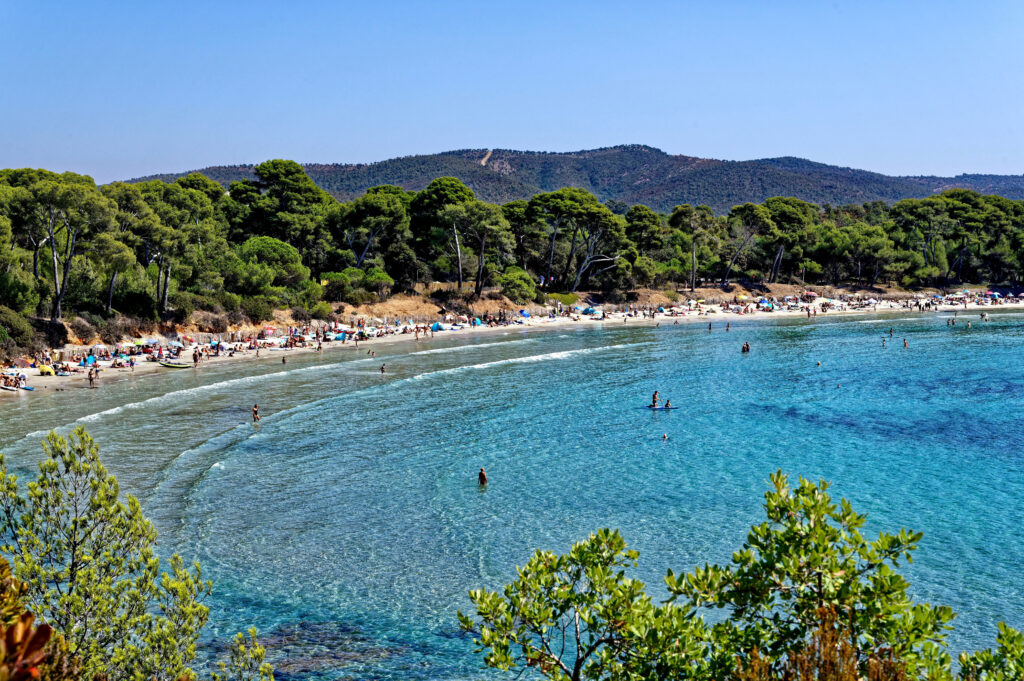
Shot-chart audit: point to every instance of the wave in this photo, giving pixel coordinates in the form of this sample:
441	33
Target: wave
529	359
894	319
459	348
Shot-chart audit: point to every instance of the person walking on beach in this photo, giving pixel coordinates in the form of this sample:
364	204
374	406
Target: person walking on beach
92	377
255	413
482	478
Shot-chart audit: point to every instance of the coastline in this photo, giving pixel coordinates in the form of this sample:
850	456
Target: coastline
45	384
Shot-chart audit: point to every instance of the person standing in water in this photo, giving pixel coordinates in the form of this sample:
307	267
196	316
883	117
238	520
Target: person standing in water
905	344
255	413
655	399
382	369
482	478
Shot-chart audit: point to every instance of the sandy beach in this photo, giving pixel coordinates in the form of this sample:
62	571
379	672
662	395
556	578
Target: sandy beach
713	315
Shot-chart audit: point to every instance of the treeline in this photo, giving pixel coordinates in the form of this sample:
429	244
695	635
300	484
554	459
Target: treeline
161	250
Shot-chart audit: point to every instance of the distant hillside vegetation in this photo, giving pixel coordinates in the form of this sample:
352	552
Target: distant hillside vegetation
632	174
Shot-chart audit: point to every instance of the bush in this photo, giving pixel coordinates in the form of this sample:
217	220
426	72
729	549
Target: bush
15	331
517	285
184	304
258	308
230	301
338	287
83	329
18	290
300	314
321	311
566	299
113	330
672	295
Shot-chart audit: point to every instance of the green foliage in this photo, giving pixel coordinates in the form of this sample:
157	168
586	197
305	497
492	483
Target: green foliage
15	332
517	285
246	661
87	560
321	310
807	591
258	308
566	299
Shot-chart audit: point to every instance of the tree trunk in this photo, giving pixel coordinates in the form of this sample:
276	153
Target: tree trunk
110	292
458	254
480	267
572	254
735	256
693	267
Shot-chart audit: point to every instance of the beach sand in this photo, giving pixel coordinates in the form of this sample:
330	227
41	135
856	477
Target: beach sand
44	384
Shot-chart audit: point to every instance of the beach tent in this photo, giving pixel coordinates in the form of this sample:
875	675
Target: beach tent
524	313
45	370
589	310
661	309
436	326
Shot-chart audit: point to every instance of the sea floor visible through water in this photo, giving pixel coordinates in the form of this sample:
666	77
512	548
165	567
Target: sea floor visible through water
348	525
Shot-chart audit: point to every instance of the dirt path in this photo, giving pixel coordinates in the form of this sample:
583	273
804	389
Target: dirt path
486	158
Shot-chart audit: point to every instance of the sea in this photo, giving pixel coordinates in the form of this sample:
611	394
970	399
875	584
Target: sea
348	526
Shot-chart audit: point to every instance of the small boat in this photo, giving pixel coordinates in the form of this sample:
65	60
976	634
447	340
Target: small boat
175	365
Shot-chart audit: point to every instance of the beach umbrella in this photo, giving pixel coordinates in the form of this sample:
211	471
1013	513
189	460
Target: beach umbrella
22	363
176	344
152	341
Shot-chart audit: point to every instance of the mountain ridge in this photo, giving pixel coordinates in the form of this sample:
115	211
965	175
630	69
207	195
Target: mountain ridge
630	173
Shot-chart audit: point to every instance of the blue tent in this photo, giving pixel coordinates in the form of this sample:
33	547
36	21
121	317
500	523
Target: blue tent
436	326
661	309
524	313
590	310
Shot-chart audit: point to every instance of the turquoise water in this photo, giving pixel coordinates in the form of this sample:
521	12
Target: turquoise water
348	526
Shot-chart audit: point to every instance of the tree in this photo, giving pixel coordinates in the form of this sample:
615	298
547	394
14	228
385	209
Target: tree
811	555
703	232
603	236
516	285
751	219
372	217
429	230
643	228
484	225
87	560
578	616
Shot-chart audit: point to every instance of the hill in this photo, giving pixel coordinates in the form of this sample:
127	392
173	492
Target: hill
632	174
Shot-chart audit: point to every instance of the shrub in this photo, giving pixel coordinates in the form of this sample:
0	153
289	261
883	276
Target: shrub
321	310
230	301
15	332
338	287
18	290
300	314
113	330
517	285
566	299
184	305
258	308
672	295
83	329
236	317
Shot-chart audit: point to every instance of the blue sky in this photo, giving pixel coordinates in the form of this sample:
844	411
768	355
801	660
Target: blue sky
123	89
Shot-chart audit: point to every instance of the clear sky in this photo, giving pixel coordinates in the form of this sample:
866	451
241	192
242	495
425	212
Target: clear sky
118	90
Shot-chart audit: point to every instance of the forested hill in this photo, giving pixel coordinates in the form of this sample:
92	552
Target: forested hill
632	174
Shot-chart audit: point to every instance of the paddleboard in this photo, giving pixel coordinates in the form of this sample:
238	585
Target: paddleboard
7	387
661	408
25	387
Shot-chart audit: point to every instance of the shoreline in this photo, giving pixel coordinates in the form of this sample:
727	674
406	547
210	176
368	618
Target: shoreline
47	384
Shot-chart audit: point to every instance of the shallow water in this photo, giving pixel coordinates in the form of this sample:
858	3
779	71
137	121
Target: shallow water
348	525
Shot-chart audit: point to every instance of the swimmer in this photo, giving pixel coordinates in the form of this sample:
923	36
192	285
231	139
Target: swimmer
381	369
284	360
664	436
905	344
482	477
819	363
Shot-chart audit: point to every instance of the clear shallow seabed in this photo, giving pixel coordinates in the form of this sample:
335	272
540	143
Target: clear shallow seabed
348	525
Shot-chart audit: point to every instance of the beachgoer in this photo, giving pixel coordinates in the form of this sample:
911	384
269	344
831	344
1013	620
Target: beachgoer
709	326
904	343
482	477
655	399
668	404
727	327
819	363
381	369
284	360
92	377
255	413
664	436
